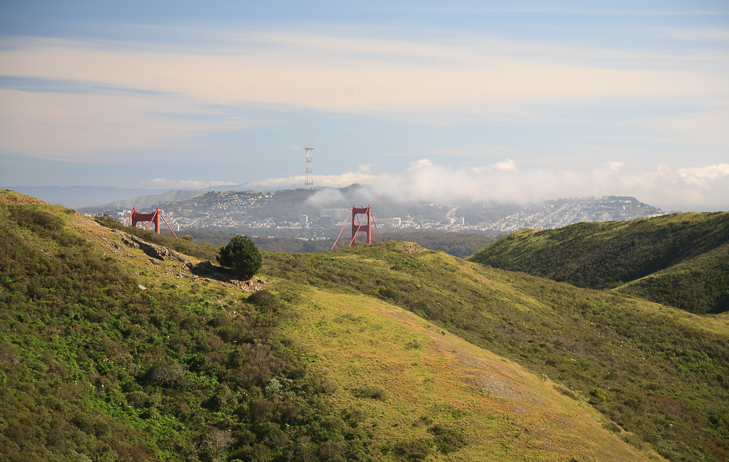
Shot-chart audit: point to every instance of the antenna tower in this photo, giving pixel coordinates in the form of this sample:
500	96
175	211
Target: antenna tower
309	181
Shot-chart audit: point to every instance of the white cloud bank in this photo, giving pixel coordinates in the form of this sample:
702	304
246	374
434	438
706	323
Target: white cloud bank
703	188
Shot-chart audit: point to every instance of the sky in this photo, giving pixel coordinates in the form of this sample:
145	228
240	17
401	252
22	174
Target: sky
437	101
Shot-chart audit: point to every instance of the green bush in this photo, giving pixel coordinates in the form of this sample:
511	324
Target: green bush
413	450
242	255
447	439
371	392
597	395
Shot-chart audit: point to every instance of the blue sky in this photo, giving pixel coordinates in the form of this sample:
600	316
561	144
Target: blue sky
423	100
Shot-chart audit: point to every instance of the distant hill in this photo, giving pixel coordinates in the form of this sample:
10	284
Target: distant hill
563	212
146	201
82	196
679	259
278	214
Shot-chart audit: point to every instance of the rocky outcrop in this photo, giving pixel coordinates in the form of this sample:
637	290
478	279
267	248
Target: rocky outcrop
153	250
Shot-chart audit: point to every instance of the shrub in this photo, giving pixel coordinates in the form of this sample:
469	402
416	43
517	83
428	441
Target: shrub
412	450
447	439
167	374
597	395
242	255
371	392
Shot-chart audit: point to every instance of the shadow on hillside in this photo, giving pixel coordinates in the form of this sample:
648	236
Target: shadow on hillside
207	270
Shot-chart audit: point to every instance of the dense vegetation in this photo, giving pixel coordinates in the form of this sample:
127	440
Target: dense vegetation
699	284
684	254
651	373
94	365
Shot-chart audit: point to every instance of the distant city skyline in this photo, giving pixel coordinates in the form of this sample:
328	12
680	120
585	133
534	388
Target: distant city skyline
420	100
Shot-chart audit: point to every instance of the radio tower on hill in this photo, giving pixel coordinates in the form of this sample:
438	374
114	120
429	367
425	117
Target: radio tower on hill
309	181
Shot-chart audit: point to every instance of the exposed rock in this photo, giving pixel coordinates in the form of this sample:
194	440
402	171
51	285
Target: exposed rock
142	287
153	250
409	249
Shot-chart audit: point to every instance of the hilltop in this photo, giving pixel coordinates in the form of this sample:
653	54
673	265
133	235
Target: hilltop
382	352
680	259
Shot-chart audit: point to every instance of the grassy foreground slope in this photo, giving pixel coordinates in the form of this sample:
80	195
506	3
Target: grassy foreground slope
658	372
110	355
679	259
408	376
107	354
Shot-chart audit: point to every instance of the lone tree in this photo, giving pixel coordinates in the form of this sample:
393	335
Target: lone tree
242	255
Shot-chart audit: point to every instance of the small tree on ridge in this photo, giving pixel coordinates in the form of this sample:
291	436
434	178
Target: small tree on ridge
242	255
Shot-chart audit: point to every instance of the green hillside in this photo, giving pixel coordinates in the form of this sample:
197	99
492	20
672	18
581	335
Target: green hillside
679	260
382	352
110	355
655	371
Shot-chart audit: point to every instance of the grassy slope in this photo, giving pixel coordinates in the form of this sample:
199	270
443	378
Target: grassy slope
346	299
609	255
431	376
99	377
107	355
656	371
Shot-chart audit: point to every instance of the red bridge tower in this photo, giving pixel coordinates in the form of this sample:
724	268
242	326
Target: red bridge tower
361	226
137	217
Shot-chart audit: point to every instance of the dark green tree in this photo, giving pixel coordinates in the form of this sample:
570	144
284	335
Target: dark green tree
242	255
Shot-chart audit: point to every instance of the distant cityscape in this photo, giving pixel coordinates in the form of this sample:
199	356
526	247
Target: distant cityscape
288	213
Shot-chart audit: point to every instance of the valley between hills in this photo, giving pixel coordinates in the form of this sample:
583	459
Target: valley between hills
375	353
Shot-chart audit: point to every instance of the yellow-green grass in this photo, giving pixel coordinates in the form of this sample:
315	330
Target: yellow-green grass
431	376
643	356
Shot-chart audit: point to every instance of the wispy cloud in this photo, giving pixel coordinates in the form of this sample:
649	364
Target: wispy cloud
100	127
134	89
306	75
96	101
